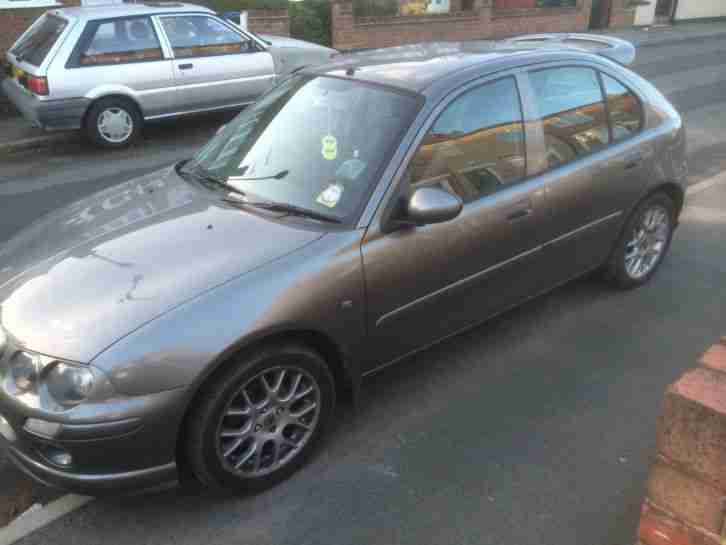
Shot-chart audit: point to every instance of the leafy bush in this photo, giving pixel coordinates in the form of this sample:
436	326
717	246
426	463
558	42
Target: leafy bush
310	21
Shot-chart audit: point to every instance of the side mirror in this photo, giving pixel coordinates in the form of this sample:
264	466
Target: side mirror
431	205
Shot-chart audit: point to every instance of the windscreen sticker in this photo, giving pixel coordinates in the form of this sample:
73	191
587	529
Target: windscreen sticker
330	147
330	195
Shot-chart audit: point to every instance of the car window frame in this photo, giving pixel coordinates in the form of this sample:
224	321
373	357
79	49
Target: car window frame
89	32
641	105
537	117
232	28
471	89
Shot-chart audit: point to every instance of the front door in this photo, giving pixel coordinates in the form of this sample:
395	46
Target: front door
424	283
215	65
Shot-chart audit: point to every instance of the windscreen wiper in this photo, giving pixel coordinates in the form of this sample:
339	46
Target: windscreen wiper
286	208
207	178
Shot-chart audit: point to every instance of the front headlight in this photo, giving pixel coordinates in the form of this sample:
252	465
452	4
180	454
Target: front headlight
68	384
49	384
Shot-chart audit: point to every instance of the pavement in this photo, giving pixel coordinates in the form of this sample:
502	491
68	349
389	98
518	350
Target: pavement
537	428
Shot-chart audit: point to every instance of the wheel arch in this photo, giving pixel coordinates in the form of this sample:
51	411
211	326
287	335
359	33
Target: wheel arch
113	95
346	382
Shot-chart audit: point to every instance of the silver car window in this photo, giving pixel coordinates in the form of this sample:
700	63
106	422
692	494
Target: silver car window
202	36
122	41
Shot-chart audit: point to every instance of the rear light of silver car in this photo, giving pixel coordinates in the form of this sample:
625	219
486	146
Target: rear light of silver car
37	85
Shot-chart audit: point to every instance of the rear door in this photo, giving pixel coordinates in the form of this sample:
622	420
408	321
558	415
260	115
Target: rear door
32	53
215	65
587	174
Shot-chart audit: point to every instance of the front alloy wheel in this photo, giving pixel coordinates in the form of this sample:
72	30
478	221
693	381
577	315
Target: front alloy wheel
255	422
268	421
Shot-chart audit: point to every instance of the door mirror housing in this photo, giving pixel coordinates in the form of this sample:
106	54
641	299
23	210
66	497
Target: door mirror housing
430	205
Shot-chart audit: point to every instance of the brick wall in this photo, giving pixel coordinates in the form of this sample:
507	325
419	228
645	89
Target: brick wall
686	493
269	21
484	21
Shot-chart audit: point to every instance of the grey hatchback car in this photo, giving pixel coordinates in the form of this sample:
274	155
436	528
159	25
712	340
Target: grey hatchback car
109	69
205	319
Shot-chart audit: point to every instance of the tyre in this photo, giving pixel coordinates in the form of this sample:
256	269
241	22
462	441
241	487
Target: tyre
113	123
255	423
644	242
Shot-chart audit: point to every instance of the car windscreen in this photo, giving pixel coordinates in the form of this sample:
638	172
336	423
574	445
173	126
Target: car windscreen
314	142
34	46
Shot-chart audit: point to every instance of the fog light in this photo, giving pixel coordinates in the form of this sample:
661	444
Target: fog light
58	456
42	428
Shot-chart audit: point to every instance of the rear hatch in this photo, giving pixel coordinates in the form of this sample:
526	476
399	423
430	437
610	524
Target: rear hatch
29	57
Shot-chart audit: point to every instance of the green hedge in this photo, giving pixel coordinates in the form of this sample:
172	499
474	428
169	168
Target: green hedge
310	21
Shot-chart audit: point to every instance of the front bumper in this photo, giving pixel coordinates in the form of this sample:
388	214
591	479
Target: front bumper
115	455
48	114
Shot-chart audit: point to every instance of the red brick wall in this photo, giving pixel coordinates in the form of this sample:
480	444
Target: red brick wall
269	21
483	22
686	493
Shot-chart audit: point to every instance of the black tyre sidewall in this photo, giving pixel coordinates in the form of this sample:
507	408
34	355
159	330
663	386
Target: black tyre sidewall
228	384
91	122
617	265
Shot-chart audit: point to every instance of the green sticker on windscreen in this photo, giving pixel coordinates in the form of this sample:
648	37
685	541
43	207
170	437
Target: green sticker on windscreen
330	147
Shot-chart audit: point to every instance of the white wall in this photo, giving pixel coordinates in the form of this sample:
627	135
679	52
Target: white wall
694	9
645	15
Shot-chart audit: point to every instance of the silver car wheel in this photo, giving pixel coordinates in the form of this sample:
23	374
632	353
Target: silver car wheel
268	421
648	242
115	125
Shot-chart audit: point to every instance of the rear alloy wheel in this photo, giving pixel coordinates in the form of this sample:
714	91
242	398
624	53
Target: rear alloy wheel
113	123
256	423
644	242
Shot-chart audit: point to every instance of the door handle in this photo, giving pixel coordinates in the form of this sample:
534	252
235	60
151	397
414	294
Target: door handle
186	66
633	161
519	214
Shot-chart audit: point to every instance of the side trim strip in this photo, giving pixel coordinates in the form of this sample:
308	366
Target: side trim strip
456	284
198	111
583	228
493	268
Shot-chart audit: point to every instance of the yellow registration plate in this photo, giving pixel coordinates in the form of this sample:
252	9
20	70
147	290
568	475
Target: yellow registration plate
17	72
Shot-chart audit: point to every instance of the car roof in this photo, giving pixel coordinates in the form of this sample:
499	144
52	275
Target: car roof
108	11
417	67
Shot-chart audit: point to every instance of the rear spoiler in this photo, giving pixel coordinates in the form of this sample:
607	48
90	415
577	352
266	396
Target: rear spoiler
616	49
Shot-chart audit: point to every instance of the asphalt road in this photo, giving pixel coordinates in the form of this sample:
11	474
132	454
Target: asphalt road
536	428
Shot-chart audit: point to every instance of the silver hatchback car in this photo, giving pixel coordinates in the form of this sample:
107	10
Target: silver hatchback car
108	69
207	317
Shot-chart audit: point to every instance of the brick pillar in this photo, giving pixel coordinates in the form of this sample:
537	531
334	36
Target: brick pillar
686	494
342	23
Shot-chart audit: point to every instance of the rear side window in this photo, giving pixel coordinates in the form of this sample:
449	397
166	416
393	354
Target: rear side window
572	111
476	146
624	109
34	47
121	41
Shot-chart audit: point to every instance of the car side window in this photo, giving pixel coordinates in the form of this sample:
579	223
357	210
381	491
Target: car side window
624	109
122	41
572	112
476	146
202	36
